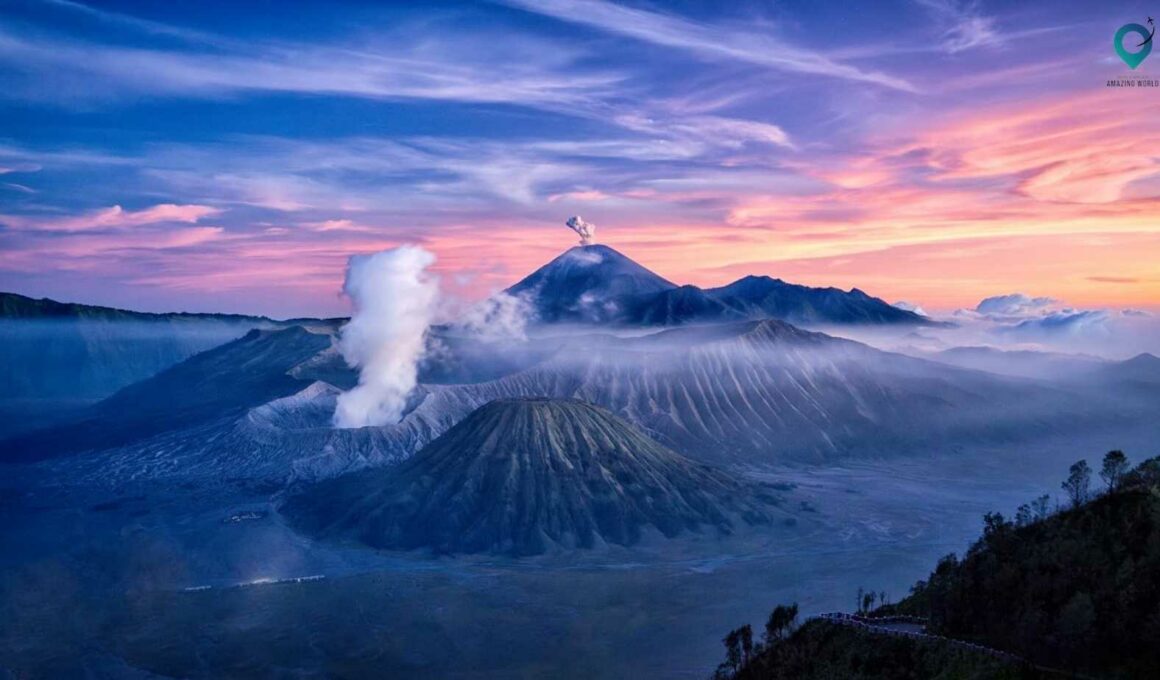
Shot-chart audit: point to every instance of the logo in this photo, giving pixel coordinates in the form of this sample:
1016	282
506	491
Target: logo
1143	49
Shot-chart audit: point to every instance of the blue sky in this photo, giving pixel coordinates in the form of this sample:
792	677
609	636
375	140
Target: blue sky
230	156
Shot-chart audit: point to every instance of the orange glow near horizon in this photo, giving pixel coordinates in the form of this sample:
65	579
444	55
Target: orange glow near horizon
1059	197
1062	212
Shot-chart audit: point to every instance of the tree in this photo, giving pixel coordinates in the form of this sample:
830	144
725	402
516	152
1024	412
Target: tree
1148	472
997	531
1114	468
1041	507
1023	515
993	524
746	644
868	602
780	622
732	662
1078	483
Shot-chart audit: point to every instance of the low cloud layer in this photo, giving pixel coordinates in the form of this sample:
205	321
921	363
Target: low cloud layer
910	307
1021	321
1082	324
1013	304
1022	335
499	318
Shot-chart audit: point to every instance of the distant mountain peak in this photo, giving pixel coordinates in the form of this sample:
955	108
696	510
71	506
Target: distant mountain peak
767	331
587	283
773	329
1142	368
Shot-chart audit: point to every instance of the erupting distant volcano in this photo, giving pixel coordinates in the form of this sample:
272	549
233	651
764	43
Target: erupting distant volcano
587	230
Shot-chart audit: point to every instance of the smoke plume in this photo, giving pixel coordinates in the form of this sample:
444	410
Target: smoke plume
394	299
587	230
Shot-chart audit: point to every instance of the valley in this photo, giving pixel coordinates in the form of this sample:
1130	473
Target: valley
587	501
656	609
578	340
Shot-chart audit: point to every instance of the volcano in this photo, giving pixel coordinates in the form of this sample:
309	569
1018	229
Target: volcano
598	284
216	384
588	283
521	476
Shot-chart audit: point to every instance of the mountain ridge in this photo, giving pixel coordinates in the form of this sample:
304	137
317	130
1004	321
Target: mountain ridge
598	284
17	306
211	385
25	307
750	393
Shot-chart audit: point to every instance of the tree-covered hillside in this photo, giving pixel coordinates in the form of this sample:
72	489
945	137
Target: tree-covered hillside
1074	591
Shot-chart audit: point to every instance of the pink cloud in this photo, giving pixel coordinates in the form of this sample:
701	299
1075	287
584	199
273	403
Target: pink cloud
1075	149
1038	196
1065	165
586	195
114	217
337	225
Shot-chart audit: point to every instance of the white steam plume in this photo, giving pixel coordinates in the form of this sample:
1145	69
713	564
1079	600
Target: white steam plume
587	230
394	299
500	318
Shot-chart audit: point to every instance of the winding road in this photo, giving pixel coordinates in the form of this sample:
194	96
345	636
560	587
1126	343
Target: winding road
915	628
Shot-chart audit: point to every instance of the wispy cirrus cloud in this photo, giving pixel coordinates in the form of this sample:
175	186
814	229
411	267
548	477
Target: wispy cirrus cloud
464	70
705	145
965	26
146	26
704	40
849	216
479	69
703	131
423	174
4	170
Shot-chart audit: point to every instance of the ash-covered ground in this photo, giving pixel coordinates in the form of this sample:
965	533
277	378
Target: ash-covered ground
207	581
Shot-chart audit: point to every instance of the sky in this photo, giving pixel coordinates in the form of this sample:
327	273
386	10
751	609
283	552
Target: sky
231	156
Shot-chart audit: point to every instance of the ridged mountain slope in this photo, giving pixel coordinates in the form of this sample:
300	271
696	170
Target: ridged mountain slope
519	476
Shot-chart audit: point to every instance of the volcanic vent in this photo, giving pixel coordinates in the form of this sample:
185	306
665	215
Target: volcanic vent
521	476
